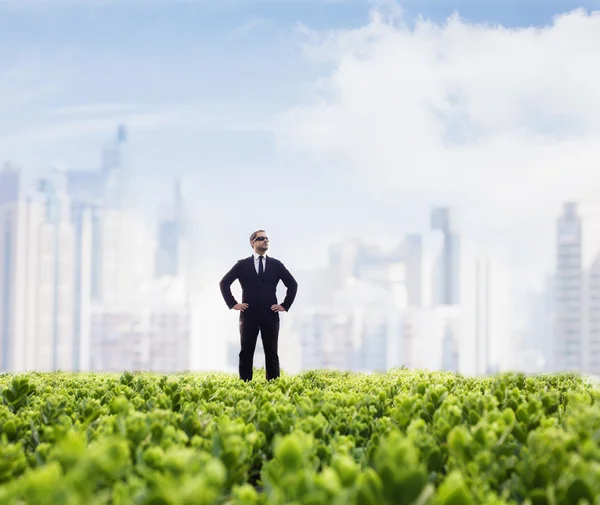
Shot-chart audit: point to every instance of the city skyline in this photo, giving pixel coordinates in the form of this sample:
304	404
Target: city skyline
435	271
404	130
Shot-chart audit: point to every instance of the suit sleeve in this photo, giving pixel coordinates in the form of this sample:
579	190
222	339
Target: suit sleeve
225	285
291	284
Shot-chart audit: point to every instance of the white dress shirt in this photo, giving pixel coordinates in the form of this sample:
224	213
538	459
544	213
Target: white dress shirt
256	261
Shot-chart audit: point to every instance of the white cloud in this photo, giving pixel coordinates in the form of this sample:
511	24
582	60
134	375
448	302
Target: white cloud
498	121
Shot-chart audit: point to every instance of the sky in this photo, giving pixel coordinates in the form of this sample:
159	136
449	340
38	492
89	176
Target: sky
316	119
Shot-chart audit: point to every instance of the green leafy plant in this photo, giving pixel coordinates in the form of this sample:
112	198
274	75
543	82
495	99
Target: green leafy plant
318	438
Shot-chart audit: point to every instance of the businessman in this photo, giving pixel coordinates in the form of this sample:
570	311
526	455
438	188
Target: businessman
259	275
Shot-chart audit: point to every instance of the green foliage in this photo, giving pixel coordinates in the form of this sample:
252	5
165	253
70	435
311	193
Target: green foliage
319	438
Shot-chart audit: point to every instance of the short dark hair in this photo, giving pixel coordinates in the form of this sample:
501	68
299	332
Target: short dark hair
255	234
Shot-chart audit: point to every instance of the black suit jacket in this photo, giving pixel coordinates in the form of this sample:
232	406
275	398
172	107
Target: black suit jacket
259	292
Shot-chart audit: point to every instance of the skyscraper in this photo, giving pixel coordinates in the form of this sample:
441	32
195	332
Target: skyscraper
37	286
115	176
568	335
413	259
169	253
447	277
592	362
482	316
56	269
19	219
95	194
491	316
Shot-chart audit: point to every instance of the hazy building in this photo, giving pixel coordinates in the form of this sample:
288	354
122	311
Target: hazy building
429	338
20	219
492	317
152	333
535	349
327	339
170	255
592	363
569	334
413	259
447	272
38	310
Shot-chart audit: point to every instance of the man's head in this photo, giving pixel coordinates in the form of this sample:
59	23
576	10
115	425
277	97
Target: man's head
259	241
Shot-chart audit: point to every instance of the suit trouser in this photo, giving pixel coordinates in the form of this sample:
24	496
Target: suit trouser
268	325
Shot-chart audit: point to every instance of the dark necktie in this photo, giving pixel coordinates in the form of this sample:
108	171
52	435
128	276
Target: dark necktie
260	265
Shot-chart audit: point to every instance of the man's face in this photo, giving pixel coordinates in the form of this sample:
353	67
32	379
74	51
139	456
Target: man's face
261	242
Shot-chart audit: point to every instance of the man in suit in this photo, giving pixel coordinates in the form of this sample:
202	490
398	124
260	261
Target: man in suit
259	275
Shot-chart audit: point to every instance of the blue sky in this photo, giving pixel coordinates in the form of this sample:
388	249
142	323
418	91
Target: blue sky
201	85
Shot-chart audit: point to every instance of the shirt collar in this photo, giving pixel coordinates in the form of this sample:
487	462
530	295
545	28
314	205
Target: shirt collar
256	255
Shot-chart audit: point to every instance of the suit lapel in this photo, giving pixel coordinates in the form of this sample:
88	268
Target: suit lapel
251	265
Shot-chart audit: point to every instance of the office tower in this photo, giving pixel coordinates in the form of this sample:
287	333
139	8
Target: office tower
447	269
38	288
55	307
103	195
482	316
84	282
536	342
413	259
568	335
19	221
592	362
117	192
491	316
169	258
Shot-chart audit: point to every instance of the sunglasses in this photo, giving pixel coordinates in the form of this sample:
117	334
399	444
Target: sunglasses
261	238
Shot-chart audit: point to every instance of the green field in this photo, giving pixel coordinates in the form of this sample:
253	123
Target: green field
321	437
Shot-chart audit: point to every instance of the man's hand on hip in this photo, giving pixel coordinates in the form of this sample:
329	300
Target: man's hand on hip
277	308
240	306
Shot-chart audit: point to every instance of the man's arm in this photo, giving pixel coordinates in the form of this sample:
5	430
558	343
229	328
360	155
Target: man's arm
226	283
291	284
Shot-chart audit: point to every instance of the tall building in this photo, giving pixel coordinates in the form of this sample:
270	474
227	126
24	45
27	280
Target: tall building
592	362
447	269
20	219
492	334
413	259
37	276
117	194
170	255
569	331
483	320
122	251
535	347
102	195
55	308
85	283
